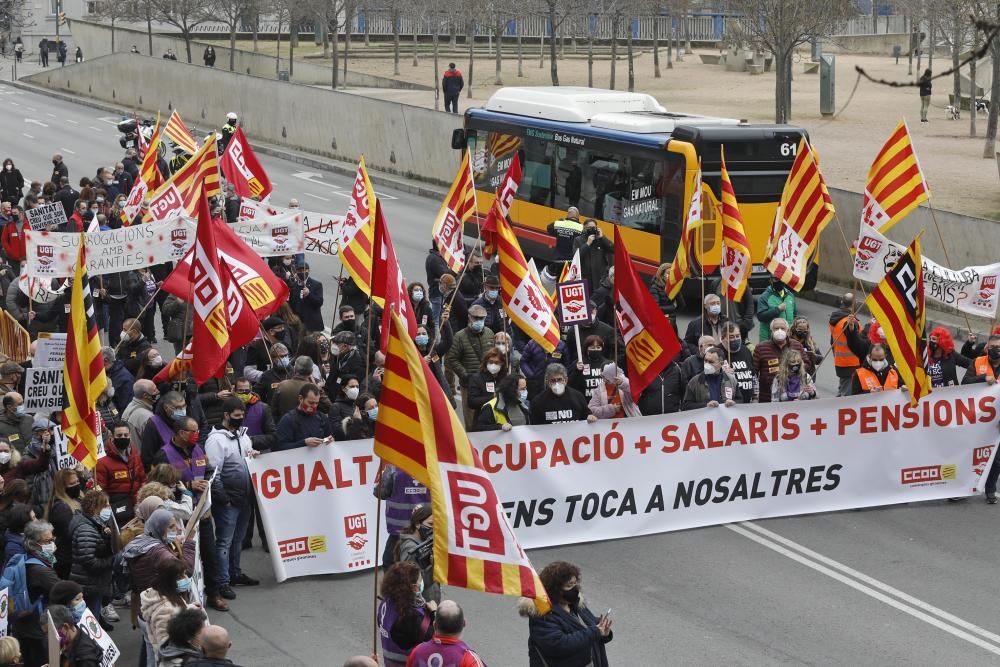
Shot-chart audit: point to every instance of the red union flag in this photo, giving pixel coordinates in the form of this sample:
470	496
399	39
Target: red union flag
241	168
388	282
650	341
166	204
210	343
418	431
458	206
501	205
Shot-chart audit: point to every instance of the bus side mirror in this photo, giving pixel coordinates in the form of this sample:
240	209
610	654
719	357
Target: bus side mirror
458	140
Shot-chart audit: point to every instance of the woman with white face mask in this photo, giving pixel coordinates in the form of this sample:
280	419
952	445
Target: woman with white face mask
40	551
483	385
613	399
92	551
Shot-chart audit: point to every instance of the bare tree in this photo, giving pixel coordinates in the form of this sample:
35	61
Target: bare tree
110	11
557	11
185	15
990	12
780	26
502	11
350	12
230	13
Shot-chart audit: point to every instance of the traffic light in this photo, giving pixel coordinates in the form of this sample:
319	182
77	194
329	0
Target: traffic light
61	18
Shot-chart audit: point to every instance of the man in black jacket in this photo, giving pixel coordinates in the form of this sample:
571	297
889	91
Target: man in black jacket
597	253
559	403
306	299
304	426
66	195
59	170
452	85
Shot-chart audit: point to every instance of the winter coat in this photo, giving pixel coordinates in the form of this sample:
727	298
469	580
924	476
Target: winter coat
697	394
84	651
601	408
122	380
595	258
702	326
157	611
562	639
41	579
452	83
225	451
664	393
547	408
767	309
92	554
61	518
11	185
309	309
483	387
407	547
143	566
296	426
467	352
171	655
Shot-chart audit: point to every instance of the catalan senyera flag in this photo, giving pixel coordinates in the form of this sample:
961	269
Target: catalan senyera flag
500	145
895	183
182	192
549	296
521	291
897	303
501	205
83	368
456	209
686	258
735	265
388	282
177	366
178	133
572	270
650	341
149	173
418	432
804	212
357	234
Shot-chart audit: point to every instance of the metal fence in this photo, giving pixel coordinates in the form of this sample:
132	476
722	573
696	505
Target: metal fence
704	27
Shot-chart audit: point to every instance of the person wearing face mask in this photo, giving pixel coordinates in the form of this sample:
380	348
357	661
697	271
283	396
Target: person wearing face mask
347	320
70	595
860	340
170	594
139	410
800	332
943	360
304	426
792	383
159	429
422	311
227	448
509	408
775	302
258	420
767	357
570	634
535	360
466	354
490	301
739	361
471	281
454	302
92	551
361	424
482	386
259	352
875	374
267	383
344	406
306	299
597	253
12	466
39	547
845	361
434	354
558	403
11	183
65	195
132	344
400	494
713	387
76	647
985	368
79	221
120	472
120	380
349	361
694	363
585	376
504	344
419	532
405	615
613	400
15	422
63	504
595	328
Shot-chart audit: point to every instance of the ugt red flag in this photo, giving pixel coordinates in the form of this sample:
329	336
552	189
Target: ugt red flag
650	341
501	205
241	168
388	282
210	341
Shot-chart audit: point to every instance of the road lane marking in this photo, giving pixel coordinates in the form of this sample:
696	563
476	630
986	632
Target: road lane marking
66	150
70	120
95	129
27	135
50	115
917	608
309	194
30	108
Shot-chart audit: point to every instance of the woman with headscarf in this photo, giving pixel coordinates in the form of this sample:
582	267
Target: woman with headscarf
613	400
943	360
160	543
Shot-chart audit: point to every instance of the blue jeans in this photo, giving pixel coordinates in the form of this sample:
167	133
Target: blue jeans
230	527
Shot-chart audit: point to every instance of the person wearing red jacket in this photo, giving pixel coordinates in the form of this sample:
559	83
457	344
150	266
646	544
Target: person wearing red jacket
13	240
120	474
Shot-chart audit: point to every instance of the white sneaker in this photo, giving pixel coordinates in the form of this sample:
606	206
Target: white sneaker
123	601
109	614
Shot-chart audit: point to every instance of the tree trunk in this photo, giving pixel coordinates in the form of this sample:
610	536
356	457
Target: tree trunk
232	46
113	33
368	25
395	43
614	50
678	52
292	43
499	55
187	44
553	65
687	30
972	86
670	41
930	51
909	55
256	27
631	59
472	56
293	29
956	45
454	33
990	148
437	71
520	53
782	82
335	54
277	52
590	56
416	31
656	47
349	16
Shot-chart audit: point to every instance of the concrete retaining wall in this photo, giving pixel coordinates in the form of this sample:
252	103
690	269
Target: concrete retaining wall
394	138
95	39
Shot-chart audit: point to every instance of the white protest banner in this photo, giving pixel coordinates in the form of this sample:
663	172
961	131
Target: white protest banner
60	449
578	482
39	290
971	290
43	389
50	350
273	235
89	624
321	229
46	215
53	254
4	612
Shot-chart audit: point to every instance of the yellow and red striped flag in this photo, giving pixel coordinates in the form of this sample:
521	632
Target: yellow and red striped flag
418	431
148	172
686	256
357	234
895	183
500	145
572	270
805	210
735	265
83	368
178	133
521	291
182	192
897	303
458	206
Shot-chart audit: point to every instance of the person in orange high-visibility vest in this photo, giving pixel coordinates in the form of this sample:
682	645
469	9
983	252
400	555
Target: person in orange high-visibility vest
875	374
986	369
845	362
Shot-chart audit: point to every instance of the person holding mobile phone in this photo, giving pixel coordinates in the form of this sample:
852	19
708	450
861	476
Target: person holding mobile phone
570	635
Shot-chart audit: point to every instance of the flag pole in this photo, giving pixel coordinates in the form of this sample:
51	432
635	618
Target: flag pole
944	248
152	299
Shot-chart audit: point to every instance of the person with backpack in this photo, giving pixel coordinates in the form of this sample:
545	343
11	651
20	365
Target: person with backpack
18	516
29	579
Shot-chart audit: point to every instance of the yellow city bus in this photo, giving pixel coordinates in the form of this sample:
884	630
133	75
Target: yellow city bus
623	160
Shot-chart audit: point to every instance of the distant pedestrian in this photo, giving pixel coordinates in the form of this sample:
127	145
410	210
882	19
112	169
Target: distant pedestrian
61	52
43	52
18	49
209	56
134	49
452	85
79	54
925	94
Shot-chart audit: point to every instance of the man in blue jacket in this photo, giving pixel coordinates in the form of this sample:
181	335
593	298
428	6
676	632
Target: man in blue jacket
304	426
452	85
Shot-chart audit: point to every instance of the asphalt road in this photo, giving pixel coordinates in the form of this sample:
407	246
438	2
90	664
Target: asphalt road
901	585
